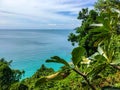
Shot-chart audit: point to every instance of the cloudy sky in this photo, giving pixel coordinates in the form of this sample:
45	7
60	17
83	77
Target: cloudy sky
41	14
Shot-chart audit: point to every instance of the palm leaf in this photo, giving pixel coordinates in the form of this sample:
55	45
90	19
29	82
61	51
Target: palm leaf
57	59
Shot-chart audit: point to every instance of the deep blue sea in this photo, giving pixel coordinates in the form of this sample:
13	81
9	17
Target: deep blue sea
30	48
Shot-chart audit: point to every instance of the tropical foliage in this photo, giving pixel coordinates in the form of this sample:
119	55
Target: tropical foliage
95	62
97	56
8	76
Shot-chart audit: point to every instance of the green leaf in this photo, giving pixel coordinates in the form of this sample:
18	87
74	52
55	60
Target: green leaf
40	81
100	59
77	54
96	70
57	59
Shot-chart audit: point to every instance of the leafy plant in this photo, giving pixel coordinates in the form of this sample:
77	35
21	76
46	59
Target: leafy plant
98	40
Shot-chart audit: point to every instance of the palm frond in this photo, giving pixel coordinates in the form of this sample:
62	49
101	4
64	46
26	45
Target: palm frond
57	59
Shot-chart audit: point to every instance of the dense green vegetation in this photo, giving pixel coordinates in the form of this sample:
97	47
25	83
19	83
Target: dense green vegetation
95	61
8	76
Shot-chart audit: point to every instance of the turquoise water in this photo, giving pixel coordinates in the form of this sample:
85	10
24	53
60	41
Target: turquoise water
30	48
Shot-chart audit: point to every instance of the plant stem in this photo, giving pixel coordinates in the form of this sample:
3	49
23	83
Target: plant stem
85	77
115	66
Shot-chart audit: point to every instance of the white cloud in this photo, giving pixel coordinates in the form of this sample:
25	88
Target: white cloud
41	13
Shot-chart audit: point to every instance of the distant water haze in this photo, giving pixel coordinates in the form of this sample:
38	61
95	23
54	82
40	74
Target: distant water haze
30	48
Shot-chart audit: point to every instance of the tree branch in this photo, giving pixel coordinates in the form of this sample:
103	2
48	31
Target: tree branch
115	66
85	77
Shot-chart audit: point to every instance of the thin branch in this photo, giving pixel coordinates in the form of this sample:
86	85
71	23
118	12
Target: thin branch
115	66
85	77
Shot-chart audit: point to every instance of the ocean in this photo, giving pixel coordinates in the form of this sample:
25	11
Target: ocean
30	48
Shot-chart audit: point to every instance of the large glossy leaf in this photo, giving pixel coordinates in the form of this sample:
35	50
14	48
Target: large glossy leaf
100	59
57	59
77	54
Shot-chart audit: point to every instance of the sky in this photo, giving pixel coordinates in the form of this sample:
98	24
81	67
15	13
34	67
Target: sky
41	14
